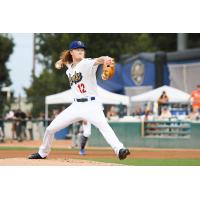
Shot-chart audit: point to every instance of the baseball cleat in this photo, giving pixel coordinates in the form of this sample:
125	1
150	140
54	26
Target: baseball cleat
82	152
36	156
123	153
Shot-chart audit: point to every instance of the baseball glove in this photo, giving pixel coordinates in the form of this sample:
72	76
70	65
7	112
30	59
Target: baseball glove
108	70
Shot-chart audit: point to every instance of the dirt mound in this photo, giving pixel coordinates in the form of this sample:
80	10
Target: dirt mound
51	162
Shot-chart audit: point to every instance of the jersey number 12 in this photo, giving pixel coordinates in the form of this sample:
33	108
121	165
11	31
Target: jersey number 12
81	88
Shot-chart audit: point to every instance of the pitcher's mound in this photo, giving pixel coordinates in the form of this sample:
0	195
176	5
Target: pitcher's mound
51	162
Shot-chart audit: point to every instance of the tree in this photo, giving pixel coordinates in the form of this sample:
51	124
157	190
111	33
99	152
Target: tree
114	44
193	40
42	86
6	49
164	41
49	47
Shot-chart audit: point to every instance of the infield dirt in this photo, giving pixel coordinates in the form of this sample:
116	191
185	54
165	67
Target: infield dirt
63	155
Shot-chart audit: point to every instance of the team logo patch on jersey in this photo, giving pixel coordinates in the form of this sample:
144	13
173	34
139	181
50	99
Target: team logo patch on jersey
137	72
77	77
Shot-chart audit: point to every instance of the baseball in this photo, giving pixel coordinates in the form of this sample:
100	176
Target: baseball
58	65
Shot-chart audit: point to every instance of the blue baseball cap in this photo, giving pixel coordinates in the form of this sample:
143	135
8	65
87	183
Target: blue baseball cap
76	45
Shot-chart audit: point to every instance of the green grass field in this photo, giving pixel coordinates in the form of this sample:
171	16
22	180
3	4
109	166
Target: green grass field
152	162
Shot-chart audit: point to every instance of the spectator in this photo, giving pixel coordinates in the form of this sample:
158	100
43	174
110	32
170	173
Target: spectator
148	115
13	129
111	113
11	116
120	110
162	101
18	125
85	132
2	134
125	111
55	113
23	124
41	125
195	98
165	113
29	127
76	130
138	112
194	115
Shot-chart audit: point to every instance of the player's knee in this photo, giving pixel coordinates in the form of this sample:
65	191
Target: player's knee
50	130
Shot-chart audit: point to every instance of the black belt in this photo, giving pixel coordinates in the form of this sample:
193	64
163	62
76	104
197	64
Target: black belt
85	99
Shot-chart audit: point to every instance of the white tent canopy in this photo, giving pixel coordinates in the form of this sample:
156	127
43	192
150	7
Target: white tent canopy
105	96
59	98
174	95
67	97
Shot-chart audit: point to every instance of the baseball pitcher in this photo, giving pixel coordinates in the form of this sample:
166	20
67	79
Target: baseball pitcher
87	106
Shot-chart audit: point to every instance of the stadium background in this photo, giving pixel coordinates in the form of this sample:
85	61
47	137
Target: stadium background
160	67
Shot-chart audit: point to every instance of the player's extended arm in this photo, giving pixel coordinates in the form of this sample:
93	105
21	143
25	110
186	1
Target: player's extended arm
103	60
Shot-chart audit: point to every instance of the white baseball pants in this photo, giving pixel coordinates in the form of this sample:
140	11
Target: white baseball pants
86	129
90	111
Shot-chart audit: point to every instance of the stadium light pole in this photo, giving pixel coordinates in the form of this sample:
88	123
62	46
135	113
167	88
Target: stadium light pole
33	67
182	39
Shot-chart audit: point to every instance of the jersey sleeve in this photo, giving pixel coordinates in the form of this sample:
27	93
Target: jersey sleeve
95	67
90	64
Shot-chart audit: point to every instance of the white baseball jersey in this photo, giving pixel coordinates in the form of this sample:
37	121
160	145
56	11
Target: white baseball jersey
82	78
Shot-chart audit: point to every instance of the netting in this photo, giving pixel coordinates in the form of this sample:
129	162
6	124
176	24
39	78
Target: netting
185	76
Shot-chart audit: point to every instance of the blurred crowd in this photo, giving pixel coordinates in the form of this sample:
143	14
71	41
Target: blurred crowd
22	123
166	110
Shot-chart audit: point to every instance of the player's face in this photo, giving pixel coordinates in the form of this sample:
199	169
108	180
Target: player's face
78	54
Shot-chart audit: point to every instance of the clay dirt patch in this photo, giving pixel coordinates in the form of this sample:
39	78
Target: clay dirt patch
62	155
51	162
